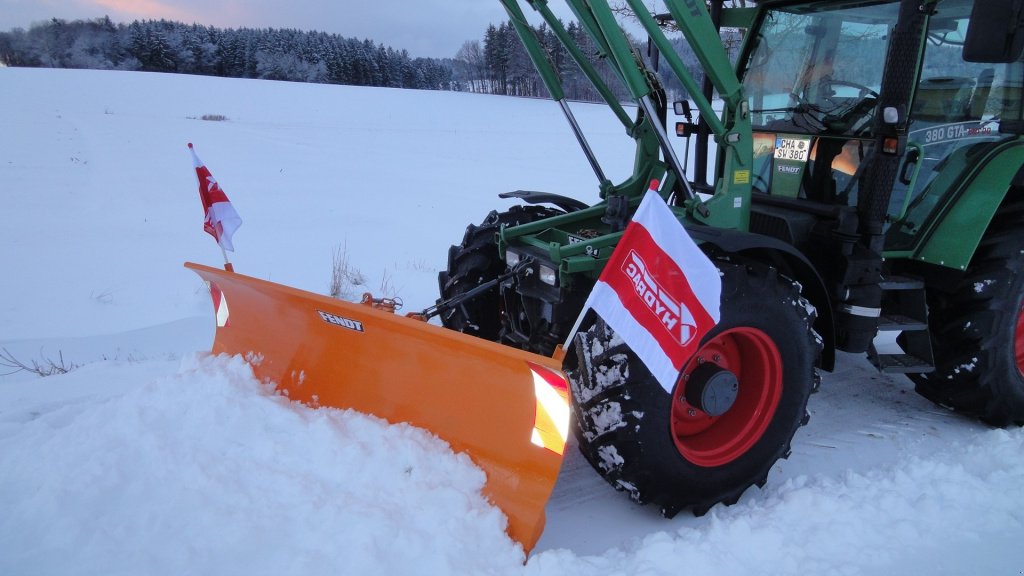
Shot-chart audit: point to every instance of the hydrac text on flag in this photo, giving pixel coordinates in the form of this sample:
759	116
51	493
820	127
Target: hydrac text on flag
659	291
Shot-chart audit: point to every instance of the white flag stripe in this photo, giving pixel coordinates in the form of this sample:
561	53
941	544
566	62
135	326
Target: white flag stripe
671	237
639	339
223	214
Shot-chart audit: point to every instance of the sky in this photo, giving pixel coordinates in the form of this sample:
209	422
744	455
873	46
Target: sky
426	28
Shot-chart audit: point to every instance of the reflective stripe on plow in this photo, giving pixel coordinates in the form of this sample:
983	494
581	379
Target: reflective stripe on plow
551	425
220	305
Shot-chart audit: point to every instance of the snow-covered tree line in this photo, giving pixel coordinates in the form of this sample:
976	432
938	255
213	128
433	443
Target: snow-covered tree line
500	64
275	54
497	65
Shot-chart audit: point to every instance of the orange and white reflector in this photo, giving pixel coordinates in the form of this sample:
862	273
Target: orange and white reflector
220	304
551	426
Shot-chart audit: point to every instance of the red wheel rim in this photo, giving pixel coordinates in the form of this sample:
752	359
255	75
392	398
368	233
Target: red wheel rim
717	440
1018	342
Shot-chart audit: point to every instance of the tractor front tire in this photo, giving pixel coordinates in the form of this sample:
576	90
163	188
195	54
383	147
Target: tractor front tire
978	329
662	448
476	261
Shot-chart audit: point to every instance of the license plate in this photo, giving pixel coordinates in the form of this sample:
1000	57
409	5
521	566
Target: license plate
795	149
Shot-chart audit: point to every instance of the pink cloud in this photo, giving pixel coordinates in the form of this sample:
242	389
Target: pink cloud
146	9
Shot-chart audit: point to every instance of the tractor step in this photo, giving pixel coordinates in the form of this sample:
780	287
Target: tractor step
905	316
901	364
899	323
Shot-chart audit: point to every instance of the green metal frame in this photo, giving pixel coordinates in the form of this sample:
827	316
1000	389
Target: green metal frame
655	157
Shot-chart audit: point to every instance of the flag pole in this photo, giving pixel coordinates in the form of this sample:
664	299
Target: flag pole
227	263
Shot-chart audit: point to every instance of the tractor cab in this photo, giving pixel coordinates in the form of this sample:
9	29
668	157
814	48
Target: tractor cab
813	73
868	119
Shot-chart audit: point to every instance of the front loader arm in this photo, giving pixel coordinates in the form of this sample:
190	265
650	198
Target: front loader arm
728	207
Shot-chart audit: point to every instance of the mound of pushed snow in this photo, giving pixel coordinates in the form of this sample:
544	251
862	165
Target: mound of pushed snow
210	472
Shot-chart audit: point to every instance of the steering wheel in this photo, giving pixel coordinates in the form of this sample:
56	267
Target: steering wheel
853	115
864	91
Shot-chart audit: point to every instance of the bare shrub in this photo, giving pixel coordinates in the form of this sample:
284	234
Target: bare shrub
344	277
387	286
45	367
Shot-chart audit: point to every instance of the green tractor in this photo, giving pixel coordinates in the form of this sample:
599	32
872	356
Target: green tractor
867	197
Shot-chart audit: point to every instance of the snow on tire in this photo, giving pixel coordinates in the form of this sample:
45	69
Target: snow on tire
665	450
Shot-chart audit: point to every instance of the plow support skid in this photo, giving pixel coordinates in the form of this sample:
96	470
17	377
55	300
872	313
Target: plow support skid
507	409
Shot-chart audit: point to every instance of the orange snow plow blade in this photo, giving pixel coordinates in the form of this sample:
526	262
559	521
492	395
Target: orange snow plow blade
507	409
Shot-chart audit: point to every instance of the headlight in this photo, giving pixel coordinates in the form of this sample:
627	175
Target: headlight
512	258
548	275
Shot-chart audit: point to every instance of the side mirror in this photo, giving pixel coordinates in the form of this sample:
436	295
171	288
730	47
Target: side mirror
994	34
682	108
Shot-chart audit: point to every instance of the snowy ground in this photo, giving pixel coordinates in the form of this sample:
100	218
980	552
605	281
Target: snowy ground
152	458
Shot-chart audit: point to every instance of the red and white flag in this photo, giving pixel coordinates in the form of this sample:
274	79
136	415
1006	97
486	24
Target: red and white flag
221	220
659	292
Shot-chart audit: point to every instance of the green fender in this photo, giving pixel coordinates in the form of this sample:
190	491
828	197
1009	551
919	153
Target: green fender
964	201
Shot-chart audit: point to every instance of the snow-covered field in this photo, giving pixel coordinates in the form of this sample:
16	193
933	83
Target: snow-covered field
150	457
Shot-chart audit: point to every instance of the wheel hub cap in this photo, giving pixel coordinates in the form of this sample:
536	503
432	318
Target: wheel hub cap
712	389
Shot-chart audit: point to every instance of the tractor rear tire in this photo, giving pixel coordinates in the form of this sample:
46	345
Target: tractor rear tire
476	261
978	329
661	448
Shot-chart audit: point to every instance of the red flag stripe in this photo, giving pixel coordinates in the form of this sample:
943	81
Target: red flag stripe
656	292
